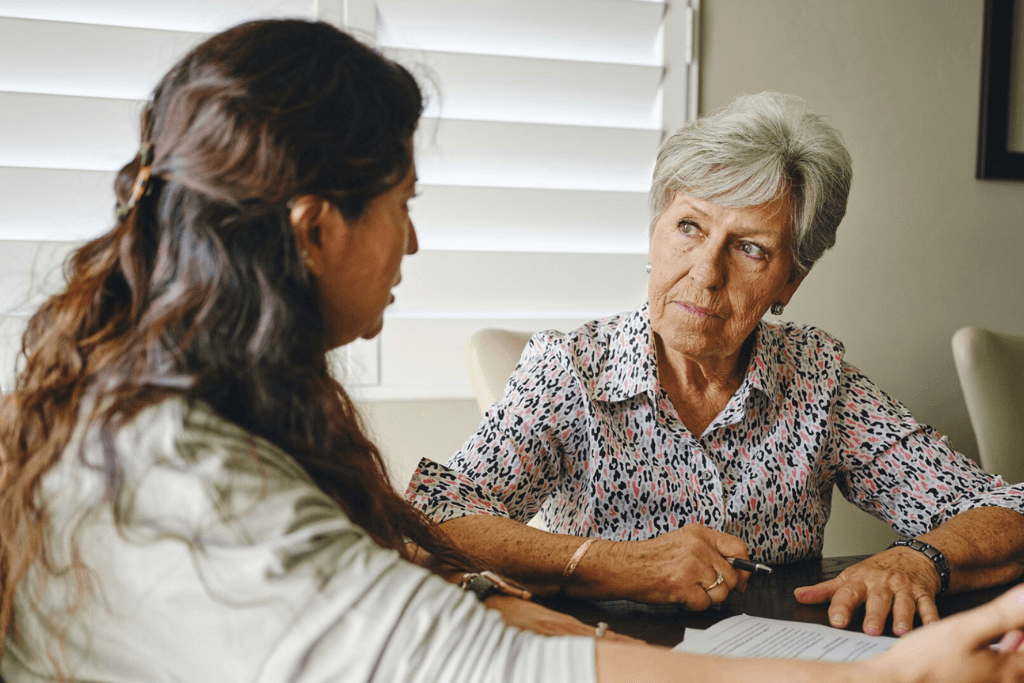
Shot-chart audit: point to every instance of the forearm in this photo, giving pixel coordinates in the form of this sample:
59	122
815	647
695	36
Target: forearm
617	662
984	547
672	568
530	556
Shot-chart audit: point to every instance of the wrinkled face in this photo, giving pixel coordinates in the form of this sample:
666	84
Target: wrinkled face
715	272
362	263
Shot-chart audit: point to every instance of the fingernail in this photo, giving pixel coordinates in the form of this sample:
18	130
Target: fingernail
836	620
871	630
900	629
1011	641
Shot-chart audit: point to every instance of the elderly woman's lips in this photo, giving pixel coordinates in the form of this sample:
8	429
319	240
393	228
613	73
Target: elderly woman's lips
693	309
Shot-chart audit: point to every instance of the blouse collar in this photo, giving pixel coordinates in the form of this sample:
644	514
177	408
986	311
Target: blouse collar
630	363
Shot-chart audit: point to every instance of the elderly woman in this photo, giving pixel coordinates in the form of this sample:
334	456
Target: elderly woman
690	431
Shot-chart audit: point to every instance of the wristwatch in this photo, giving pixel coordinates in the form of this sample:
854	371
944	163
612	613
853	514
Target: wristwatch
933	554
485	584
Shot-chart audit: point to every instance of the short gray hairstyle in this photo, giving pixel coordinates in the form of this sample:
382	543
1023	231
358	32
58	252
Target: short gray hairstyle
753	151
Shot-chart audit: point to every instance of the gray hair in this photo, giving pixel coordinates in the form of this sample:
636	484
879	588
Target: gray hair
753	151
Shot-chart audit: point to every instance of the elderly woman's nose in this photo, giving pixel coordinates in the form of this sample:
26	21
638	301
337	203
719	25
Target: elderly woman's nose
708	269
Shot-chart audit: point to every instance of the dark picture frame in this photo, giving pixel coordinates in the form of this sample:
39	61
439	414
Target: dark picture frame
995	159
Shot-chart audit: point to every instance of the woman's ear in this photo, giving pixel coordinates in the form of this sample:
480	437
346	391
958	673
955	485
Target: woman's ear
789	289
308	216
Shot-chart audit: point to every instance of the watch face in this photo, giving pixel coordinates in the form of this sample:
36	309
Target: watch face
482	587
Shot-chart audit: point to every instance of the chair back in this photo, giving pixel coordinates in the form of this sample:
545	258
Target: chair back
492	355
991	369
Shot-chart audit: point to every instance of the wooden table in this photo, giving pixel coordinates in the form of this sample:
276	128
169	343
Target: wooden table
766	596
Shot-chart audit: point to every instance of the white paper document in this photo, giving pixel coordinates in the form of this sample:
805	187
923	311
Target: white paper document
756	637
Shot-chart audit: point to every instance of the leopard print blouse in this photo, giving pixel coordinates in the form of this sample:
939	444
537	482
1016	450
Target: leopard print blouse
586	436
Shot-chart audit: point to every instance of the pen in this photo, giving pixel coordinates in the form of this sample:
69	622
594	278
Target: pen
748	565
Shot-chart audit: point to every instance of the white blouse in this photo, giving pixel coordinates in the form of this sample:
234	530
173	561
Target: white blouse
226	563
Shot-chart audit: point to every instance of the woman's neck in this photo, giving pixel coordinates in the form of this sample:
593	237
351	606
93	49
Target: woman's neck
700	388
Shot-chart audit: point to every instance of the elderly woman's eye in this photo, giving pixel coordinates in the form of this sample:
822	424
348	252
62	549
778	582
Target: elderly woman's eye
752	250
687	228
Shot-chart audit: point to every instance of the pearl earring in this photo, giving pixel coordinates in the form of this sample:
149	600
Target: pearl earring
648	267
778	307
306	258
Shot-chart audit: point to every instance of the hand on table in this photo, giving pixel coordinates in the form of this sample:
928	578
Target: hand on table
957	648
679	567
899	580
529	615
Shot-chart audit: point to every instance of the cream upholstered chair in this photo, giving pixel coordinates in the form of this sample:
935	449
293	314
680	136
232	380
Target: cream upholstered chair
991	369
492	355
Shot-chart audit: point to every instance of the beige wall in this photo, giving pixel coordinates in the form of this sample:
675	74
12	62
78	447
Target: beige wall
925	248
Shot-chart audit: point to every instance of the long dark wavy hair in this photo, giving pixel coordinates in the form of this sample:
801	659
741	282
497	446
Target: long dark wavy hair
198	291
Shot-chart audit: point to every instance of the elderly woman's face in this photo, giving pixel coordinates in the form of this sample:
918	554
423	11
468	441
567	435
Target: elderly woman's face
715	272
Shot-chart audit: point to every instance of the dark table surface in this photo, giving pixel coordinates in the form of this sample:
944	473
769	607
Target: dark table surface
766	596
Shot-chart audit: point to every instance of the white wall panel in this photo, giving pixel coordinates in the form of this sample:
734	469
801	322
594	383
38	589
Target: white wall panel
95	61
501	88
51	131
459	152
453	217
592	30
514	284
52	204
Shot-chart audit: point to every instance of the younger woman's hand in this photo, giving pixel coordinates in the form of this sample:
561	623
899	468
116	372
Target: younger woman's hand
958	649
531	616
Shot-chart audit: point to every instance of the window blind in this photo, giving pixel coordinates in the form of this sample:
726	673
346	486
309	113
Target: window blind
534	155
534	160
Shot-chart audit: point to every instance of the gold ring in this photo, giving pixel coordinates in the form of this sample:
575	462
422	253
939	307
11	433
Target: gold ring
600	629
718	582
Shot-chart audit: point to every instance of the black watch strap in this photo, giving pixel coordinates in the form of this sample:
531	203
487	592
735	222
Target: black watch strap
485	584
933	554
479	585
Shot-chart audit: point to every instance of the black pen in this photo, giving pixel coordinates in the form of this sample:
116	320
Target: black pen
748	565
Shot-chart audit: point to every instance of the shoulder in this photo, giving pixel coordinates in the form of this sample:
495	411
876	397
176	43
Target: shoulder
793	357
800	344
189	437
188	471
588	349
593	336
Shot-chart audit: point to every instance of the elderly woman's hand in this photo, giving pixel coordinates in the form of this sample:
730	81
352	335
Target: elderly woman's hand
680	567
898	580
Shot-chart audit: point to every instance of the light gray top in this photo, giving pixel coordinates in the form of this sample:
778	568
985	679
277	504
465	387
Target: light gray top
229	564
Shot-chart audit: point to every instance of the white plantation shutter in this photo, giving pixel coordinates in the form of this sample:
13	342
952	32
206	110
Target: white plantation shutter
534	157
534	161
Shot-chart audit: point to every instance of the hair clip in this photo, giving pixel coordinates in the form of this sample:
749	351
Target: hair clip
141	181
